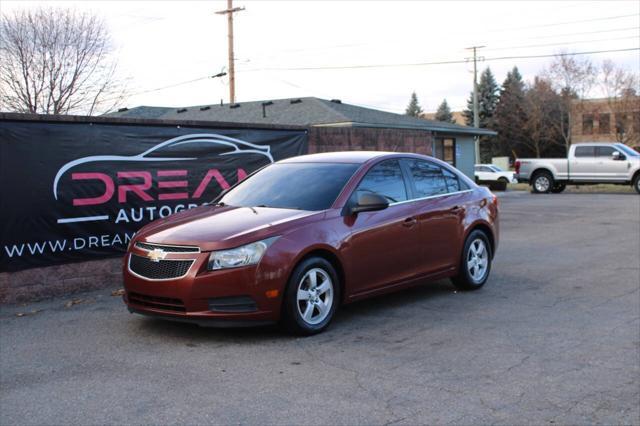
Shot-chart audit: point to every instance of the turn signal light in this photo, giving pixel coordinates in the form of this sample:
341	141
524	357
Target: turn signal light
271	294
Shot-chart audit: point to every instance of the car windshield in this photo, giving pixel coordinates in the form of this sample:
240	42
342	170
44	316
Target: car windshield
304	186
627	151
496	169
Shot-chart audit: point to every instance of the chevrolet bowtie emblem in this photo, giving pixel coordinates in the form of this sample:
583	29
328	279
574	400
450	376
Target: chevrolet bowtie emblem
156	254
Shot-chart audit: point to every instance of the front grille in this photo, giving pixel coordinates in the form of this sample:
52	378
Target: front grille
164	303
161	270
168	249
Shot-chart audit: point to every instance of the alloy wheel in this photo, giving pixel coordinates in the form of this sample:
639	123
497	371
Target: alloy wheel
542	184
315	296
477	260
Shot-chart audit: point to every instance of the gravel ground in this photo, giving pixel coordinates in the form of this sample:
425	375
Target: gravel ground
554	337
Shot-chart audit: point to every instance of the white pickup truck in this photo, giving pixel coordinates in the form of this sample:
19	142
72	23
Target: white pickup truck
587	163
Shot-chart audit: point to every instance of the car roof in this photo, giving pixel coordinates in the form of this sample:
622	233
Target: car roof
355	157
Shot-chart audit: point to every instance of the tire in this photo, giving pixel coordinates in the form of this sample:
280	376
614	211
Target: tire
542	183
310	314
636	183
503	180
558	188
478	248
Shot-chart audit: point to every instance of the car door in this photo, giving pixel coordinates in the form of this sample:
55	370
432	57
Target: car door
607	167
584	163
484	173
439	206
383	246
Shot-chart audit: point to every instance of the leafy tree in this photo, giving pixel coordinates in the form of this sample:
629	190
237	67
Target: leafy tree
413	109
487	101
444	113
56	61
510	118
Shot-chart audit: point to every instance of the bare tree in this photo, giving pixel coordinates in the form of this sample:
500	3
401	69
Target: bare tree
544	110
56	61
620	88
574	78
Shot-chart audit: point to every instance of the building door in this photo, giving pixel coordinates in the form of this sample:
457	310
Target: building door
445	150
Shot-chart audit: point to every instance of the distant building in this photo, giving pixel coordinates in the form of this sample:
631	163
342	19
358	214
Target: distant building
334	126
606	120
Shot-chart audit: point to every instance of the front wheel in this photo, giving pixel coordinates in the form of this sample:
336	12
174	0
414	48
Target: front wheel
475	262
312	297
636	183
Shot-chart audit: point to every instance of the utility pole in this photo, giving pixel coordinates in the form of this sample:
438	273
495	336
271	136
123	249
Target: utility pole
476	112
232	69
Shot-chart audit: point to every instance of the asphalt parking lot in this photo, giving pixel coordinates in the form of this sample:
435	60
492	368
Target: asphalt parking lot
554	337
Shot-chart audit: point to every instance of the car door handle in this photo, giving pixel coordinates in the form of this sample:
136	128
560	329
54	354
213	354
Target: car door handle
409	222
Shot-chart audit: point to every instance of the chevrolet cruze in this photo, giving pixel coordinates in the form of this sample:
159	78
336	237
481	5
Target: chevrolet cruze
300	237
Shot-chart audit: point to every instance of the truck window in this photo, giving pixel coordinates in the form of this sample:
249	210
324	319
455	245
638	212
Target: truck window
585	151
605	151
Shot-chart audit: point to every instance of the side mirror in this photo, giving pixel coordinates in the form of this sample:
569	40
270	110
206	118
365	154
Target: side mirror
617	156
369	202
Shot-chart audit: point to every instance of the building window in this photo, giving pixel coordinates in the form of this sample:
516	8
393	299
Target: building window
621	124
604	123
587	124
445	150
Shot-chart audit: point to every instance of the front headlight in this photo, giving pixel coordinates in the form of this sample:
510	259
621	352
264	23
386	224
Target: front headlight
249	254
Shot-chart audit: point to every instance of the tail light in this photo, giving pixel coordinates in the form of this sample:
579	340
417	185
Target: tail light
517	166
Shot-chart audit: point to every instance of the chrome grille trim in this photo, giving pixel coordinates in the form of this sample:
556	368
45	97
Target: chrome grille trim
167	248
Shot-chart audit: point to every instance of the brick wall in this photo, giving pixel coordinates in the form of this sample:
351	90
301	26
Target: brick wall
329	139
60	280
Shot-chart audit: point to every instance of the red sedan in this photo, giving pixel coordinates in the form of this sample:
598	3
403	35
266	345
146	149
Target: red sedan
300	237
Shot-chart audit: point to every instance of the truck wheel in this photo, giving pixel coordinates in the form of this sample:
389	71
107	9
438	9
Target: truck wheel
542	183
558	188
636	183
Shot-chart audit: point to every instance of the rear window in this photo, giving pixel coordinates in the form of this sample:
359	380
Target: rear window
585	151
303	186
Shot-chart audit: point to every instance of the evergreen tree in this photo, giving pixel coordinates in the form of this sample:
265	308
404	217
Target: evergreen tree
487	101
488	91
444	113
414	109
510	118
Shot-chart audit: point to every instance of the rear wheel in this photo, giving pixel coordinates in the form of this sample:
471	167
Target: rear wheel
475	262
558	188
542	183
636	183
312	297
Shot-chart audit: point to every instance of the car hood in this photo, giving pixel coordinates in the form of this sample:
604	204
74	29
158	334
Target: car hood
215	228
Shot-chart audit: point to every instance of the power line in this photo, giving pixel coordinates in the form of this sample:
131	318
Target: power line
421	64
606	18
563	43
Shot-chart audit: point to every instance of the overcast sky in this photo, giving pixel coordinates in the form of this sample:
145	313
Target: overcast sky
162	43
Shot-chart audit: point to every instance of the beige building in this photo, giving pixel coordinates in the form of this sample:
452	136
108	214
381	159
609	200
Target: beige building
606	120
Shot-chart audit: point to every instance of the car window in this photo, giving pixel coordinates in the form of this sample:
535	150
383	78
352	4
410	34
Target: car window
605	151
483	169
452	181
428	178
497	169
304	186
384	179
585	151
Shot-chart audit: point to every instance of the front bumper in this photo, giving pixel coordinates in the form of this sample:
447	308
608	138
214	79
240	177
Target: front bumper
222	298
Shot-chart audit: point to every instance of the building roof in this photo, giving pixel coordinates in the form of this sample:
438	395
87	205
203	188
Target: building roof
308	111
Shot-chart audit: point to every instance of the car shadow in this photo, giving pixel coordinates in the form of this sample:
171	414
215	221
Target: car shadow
355	313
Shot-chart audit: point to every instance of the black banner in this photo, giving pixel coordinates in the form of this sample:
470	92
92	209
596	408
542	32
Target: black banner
79	191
